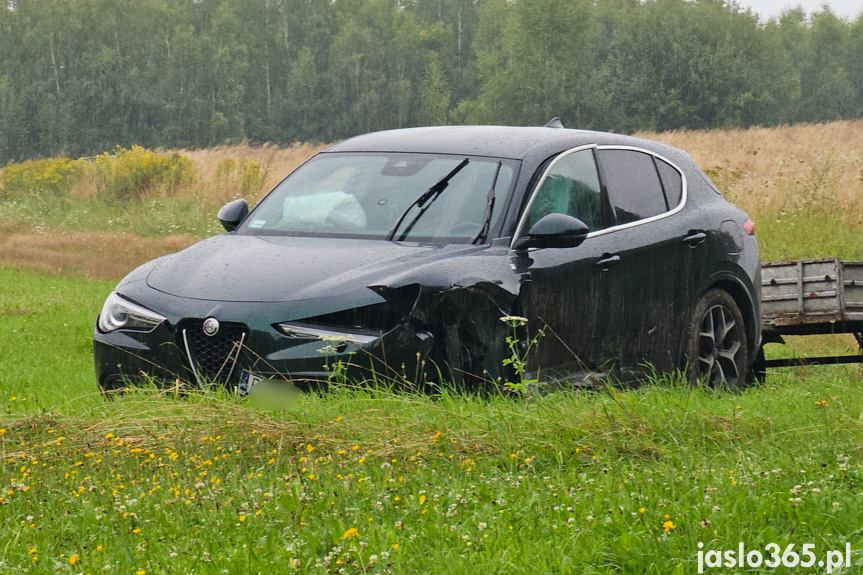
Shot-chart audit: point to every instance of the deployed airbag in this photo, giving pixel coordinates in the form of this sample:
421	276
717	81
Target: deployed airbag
327	211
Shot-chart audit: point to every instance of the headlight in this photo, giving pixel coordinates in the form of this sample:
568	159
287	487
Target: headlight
360	325
305	331
118	313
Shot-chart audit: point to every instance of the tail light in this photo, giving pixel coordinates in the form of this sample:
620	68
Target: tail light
749	227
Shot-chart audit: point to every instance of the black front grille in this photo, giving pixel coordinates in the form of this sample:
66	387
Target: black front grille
213	356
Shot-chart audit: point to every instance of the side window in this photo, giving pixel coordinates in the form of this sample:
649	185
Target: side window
632	183
671	183
571	187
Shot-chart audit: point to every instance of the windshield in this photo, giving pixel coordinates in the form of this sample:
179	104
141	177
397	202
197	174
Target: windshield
369	195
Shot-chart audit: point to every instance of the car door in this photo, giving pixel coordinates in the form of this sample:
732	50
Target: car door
566	290
650	285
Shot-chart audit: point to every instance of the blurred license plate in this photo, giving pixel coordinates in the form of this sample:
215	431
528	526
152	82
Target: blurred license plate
248	380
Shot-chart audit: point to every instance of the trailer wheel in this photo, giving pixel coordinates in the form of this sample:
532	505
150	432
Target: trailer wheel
717	349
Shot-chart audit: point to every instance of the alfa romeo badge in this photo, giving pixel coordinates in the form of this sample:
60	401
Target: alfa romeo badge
211	326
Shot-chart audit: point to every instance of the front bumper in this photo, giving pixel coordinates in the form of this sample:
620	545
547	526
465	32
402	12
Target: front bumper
180	351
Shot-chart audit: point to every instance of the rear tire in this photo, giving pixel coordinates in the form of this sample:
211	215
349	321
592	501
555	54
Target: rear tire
717	348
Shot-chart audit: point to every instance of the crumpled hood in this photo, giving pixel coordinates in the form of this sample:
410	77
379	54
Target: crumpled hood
268	269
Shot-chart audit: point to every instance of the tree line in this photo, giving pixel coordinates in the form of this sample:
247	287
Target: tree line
81	76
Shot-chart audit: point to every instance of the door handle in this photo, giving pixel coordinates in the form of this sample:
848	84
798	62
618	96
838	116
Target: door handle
693	239
607	261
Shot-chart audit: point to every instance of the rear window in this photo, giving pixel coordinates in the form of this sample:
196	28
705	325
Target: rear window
634	188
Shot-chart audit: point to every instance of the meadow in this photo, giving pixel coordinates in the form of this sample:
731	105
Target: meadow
379	480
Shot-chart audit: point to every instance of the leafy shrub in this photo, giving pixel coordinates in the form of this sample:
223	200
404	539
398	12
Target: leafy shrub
240	179
136	172
52	176
225	173
251	178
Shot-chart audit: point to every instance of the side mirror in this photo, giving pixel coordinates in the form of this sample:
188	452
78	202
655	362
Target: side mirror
233	213
554	231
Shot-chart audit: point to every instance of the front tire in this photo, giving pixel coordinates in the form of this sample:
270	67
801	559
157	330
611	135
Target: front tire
717	346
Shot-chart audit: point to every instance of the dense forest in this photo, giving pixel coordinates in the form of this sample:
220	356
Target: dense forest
81	76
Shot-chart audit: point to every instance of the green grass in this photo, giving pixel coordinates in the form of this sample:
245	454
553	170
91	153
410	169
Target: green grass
46	324
803	235
385	481
438	484
445	484
154	217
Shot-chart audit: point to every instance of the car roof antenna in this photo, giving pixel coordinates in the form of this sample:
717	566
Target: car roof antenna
554	123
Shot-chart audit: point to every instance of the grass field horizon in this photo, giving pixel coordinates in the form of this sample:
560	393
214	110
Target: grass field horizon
790	179
382	480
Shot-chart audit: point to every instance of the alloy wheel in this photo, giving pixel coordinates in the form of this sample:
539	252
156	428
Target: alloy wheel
720	343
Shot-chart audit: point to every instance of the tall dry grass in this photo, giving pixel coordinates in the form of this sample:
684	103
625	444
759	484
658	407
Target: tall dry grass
773	171
218	184
781	170
802	184
763	170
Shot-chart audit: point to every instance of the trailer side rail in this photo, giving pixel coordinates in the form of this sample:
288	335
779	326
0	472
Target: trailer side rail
817	296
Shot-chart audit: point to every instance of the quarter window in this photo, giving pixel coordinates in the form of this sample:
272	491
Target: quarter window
571	187
671	183
633	185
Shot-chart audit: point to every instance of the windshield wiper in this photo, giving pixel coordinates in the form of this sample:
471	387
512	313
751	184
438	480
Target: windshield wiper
424	201
482	234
